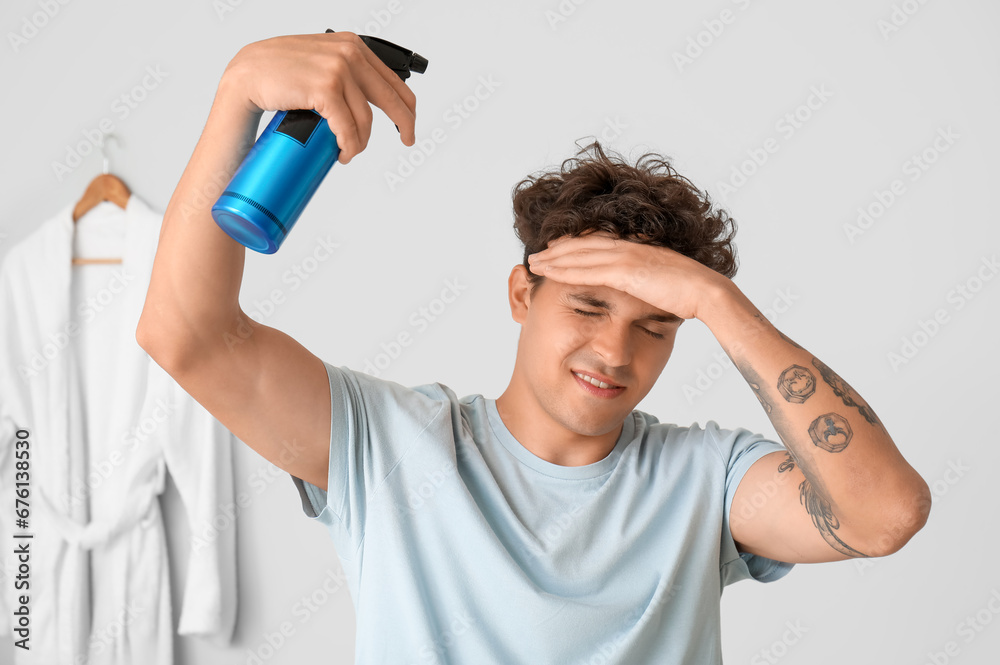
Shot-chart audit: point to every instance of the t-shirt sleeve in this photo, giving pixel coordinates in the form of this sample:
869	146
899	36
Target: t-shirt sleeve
373	424
740	448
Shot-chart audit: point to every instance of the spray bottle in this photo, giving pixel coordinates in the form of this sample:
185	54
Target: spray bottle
285	166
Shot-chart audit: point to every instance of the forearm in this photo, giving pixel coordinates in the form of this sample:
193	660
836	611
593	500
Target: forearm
851	465
193	296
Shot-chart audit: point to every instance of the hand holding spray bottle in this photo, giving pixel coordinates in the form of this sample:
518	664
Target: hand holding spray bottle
285	166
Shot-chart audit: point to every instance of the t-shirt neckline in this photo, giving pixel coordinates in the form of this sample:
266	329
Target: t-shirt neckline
557	470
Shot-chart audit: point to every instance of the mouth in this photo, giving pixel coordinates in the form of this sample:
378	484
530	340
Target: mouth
597	385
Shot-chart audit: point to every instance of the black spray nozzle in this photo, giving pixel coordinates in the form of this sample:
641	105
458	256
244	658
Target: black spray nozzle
398	59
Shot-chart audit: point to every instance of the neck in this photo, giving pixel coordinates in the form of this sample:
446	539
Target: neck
544	436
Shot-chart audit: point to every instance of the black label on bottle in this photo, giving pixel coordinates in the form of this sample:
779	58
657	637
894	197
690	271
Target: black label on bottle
299	124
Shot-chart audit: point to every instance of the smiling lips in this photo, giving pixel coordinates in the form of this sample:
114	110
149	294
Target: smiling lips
595	381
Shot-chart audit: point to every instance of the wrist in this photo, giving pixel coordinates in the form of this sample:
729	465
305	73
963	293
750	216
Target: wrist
733	319
231	93
720	297
233	114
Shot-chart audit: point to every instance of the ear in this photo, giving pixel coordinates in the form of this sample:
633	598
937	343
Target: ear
517	293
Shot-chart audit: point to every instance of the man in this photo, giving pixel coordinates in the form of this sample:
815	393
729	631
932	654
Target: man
556	523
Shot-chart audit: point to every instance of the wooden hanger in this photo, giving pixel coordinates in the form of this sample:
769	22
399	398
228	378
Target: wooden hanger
105	187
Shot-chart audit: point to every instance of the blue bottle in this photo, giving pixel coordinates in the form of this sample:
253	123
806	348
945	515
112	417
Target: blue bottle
285	166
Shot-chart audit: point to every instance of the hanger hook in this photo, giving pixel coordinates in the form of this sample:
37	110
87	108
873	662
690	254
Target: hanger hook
104	154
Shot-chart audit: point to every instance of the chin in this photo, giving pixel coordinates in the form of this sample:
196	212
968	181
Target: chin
586	420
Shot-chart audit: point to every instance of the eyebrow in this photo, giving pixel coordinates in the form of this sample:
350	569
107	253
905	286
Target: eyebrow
593	301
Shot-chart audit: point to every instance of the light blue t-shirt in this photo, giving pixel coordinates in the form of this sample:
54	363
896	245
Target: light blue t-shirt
460	546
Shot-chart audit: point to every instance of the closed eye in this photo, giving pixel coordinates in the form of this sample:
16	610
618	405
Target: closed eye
647	331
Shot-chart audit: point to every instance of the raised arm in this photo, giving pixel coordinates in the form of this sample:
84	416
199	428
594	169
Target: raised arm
261	384
843	489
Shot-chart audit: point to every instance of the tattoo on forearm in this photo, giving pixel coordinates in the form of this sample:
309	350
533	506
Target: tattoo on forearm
831	432
845	392
824	519
819	509
796	384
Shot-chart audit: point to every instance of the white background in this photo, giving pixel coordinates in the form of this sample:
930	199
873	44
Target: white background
894	74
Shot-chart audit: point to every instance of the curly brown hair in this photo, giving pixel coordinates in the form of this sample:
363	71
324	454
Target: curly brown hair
648	202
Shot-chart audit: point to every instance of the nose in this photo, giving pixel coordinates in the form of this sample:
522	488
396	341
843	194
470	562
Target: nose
612	341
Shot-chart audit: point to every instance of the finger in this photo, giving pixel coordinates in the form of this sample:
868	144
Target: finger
597	238
574	267
340	116
387	91
596	275
390	76
361	111
397	84
565	245
582	276
384	96
580	257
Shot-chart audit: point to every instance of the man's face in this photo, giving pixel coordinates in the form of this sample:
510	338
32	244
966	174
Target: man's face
567	328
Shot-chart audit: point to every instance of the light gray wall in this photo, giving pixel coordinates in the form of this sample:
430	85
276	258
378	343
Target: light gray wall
894	74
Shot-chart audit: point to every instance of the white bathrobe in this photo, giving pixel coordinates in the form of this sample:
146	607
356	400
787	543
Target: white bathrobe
104	423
